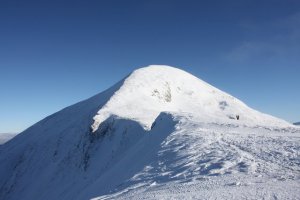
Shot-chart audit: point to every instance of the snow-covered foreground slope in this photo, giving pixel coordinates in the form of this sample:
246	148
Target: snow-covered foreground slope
217	161
160	133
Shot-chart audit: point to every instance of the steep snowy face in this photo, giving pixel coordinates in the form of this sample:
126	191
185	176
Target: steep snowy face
151	90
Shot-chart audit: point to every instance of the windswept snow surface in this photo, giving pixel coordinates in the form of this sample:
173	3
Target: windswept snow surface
160	133
151	90
218	161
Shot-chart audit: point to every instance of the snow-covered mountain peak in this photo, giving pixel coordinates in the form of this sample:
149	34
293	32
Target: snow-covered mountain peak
148	91
195	147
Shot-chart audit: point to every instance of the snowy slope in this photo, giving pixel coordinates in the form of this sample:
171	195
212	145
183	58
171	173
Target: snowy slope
151	90
4	137
160	133
214	161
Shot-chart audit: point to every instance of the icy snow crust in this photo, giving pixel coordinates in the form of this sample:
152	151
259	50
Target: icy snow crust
151	90
185	152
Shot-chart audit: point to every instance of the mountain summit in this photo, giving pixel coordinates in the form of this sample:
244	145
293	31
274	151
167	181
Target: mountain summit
148	91
160	133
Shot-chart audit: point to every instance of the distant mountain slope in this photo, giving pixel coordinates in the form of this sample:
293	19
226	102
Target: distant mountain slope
297	123
160	133
4	137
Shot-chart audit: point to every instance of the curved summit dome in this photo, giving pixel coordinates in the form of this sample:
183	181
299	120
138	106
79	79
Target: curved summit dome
148	91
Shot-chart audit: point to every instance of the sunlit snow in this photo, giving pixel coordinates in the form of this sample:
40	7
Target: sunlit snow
160	133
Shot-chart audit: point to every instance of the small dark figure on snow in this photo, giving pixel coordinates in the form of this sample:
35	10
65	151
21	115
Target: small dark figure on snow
237	117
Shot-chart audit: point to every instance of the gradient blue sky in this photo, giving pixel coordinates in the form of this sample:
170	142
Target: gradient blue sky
56	53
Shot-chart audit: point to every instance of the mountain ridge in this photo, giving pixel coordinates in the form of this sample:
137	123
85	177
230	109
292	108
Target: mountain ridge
135	151
4	137
150	90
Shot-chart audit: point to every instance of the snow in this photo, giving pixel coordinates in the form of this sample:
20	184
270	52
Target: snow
4	137
151	90
145	138
219	161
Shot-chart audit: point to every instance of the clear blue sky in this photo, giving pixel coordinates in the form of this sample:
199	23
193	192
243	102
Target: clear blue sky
56	53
